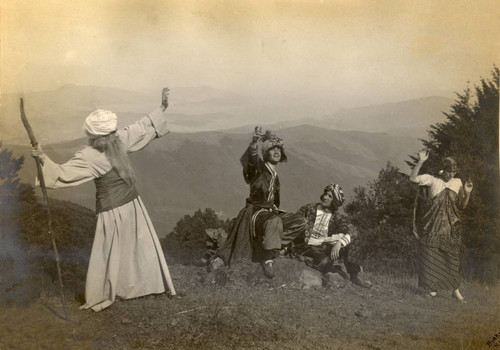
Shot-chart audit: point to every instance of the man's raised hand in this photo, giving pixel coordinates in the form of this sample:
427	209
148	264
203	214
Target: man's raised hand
164	98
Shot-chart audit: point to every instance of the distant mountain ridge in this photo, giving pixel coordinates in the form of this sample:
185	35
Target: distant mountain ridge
183	172
410	118
56	115
397	117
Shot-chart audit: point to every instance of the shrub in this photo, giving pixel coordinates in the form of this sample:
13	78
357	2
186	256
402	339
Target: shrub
187	243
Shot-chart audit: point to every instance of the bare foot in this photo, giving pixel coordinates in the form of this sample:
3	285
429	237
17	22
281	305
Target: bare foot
432	294
456	294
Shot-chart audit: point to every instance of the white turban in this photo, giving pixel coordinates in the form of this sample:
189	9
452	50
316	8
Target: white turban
100	123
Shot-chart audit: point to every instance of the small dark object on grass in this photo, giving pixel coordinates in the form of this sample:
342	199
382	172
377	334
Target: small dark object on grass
11	287
175	296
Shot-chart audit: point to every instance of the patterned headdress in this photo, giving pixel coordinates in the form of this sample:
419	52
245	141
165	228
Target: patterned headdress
100	123
269	141
338	195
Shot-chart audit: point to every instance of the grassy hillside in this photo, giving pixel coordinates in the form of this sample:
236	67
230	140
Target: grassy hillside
248	312
234	308
27	261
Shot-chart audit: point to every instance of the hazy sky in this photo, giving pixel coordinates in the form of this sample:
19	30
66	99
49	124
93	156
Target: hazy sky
377	51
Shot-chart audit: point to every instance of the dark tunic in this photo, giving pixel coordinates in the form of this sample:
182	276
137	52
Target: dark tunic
264	183
337	223
350	254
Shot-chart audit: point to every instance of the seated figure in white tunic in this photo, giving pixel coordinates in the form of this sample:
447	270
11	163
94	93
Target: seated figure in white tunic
127	260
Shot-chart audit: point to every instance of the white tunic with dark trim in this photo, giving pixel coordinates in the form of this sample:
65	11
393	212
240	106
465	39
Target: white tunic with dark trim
126	259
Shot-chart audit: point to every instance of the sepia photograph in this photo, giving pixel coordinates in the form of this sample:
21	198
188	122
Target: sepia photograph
235	174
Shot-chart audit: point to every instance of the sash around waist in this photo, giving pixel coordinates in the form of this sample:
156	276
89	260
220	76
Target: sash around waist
112	191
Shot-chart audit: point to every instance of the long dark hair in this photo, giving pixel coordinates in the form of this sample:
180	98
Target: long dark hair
333	205
115	152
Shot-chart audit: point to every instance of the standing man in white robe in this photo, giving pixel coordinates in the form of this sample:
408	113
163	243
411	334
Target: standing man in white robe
126	259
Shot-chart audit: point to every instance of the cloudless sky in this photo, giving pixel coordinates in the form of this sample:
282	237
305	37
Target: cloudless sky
374	51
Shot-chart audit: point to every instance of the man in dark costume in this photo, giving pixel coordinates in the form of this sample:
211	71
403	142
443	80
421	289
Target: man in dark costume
261	229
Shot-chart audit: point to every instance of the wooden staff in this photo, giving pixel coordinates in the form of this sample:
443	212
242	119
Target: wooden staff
45	204
170	284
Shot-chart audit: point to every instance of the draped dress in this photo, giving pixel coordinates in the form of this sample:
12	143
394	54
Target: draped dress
436	215
126	260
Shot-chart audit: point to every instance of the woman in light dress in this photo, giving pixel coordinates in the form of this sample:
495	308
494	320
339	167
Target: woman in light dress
437	212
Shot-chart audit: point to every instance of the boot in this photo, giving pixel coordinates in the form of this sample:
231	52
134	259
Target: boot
358	281
215	264
334	269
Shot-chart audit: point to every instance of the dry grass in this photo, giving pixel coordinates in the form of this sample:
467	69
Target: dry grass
246	311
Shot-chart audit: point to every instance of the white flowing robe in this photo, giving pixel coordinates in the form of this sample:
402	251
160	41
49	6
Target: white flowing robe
126	259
